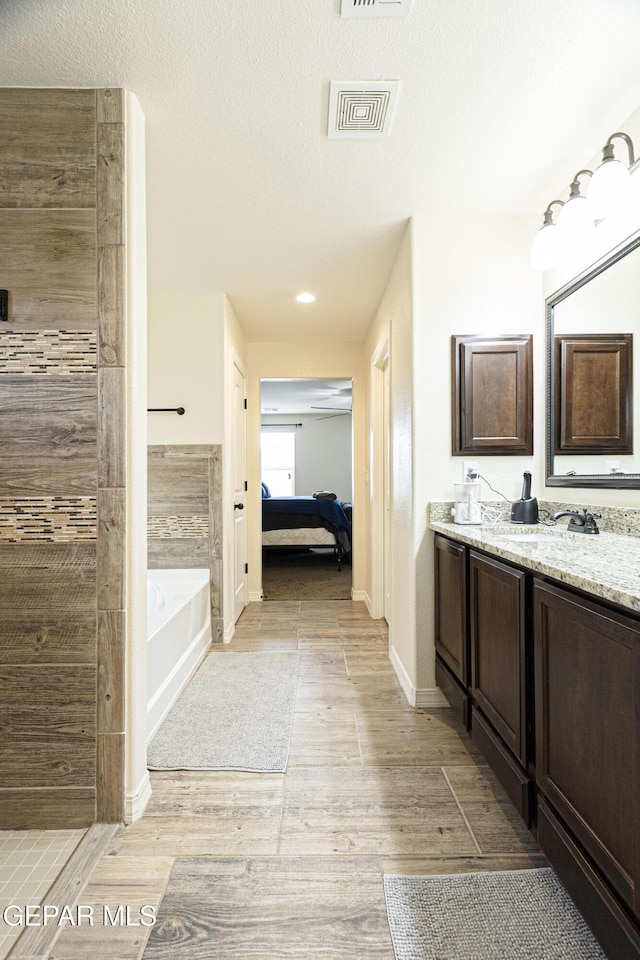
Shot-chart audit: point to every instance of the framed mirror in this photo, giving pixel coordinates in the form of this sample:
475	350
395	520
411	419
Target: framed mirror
593	339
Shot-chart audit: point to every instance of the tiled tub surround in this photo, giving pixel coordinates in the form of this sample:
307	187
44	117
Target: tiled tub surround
605	565
62	470
184	522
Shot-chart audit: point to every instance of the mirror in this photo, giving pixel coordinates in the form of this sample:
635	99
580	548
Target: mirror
593	338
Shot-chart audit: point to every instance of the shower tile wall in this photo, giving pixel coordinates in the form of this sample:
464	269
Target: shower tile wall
62	466
184	523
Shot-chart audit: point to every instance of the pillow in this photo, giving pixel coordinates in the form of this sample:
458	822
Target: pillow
266	493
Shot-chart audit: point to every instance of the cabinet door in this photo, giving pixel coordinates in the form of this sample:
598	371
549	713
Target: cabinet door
587	670
498	650
451	607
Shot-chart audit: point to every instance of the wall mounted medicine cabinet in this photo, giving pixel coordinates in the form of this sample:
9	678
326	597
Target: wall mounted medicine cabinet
492	395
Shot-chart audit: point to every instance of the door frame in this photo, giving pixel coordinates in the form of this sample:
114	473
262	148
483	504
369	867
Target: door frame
380	362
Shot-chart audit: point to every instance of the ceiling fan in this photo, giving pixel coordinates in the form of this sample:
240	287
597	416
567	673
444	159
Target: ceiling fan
342	412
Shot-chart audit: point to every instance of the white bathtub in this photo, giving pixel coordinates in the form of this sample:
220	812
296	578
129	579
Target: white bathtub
179	634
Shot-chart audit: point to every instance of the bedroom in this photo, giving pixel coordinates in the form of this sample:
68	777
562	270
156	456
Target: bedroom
306	450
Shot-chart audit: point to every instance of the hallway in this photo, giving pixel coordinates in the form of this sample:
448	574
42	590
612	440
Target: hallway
290	865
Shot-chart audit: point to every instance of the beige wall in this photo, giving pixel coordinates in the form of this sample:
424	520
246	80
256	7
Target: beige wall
450	277
325	360
186	368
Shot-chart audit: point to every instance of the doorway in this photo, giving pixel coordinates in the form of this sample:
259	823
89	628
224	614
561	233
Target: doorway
306	488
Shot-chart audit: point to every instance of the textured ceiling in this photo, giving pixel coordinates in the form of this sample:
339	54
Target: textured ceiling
500	102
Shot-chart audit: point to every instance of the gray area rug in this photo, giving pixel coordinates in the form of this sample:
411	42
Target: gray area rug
300	574
507	915
236	714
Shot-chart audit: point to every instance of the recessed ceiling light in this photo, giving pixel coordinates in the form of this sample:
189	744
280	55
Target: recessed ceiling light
305	298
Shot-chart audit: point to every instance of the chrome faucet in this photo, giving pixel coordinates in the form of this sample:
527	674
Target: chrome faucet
580	522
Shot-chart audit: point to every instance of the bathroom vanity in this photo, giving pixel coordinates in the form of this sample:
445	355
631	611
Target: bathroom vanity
538	652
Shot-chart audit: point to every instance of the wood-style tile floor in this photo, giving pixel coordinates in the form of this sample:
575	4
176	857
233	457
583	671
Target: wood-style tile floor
290	865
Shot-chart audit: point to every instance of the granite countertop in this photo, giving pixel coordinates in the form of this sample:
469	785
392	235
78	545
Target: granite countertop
606	565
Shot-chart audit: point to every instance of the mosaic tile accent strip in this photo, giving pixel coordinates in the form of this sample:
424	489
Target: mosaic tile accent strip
48	519
173	528
52	352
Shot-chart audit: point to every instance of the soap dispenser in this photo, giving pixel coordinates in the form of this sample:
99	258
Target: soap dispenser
525	510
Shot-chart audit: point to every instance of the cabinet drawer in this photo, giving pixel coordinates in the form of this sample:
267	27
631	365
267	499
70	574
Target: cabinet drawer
517	785
456	695
587	669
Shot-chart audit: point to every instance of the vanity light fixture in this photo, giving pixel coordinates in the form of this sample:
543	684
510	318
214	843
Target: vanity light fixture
305	298
610	188
544	253
609	192
575	220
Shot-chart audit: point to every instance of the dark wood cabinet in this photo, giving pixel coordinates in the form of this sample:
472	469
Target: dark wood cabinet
500	679
554	695
451	607
498	653
452	632
587	668
492	384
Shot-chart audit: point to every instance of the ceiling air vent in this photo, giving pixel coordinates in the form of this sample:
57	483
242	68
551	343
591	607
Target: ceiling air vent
375	8
361	110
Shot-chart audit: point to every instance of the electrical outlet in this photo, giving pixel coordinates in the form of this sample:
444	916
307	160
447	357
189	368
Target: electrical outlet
469	467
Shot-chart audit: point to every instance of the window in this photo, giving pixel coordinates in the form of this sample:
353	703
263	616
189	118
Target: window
278	453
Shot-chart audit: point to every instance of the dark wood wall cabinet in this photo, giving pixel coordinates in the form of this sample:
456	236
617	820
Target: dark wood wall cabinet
492	395
548	681
593	393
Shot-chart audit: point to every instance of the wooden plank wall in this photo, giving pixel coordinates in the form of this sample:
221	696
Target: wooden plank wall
62	477
185	514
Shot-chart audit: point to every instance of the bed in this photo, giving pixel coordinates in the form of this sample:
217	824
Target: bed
306	522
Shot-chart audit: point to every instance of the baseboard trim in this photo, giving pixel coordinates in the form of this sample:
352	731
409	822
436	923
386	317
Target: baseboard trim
430	698
422	697
255	597
403	677
135	804
227	636
361	595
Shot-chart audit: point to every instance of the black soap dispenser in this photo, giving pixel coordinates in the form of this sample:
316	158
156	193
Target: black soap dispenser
525	510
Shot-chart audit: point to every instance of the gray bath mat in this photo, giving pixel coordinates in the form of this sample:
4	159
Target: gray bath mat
507	915
236	714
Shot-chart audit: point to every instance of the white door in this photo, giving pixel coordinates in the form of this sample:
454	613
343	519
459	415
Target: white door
239	493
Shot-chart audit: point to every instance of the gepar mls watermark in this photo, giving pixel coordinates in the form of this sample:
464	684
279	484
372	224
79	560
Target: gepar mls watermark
51	915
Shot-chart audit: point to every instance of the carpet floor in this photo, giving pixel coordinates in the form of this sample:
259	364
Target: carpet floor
235	714
299	574
523	914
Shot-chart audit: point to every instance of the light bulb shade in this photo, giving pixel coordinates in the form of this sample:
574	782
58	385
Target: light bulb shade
545	251
610	189
574	221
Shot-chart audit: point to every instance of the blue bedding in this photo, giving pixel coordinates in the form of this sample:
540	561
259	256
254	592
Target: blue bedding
288	513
